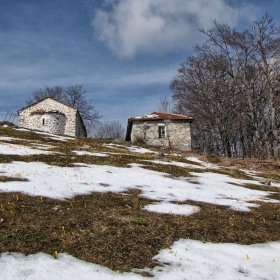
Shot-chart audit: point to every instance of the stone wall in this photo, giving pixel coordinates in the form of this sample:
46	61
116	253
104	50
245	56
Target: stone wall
51	116
177	133
53	122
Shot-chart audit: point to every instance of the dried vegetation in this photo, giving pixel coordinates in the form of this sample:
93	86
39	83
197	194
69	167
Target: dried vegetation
112	229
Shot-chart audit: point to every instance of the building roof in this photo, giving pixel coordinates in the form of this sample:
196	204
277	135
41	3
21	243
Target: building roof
158	115
155	116
48	97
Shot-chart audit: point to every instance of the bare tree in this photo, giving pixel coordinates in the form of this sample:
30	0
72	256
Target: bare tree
231	87
74	96
164	103
242	77
203	91
55	92
266	42
113	129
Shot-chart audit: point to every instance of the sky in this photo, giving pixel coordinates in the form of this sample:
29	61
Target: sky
123	52
185	259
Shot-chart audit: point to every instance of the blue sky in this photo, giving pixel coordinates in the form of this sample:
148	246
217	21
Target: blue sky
123	52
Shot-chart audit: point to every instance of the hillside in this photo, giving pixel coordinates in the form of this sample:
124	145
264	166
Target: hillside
130	208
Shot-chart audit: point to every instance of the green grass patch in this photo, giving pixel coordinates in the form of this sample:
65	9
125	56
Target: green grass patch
139	221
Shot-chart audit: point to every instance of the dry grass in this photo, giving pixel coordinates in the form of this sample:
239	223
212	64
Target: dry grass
9	179
112	229
265	168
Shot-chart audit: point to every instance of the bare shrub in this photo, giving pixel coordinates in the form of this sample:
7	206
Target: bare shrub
139	139
113	129
213	158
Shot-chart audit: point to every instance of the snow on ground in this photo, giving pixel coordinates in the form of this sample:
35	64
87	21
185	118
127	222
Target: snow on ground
3	138
66	182
171	208
50	135
205	164
140	150
81	153
55	137
176	163
13	149
195	159
239	198
43	147
186	259
190	259
21	129
131	148
33	143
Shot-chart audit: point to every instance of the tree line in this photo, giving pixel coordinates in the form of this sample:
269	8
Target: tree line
231	87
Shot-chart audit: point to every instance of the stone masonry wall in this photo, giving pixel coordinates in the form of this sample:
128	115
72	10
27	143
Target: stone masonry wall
49	122
49	106
177	133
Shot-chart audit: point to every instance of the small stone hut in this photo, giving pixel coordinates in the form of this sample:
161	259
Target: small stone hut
52	116
161	129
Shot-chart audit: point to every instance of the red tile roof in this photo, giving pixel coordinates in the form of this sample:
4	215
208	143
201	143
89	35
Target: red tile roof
158	115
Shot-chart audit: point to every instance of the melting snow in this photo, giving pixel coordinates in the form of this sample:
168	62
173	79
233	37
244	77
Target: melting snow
187	259
13	149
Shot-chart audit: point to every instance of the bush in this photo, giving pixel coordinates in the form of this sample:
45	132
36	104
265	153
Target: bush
139	139
213	159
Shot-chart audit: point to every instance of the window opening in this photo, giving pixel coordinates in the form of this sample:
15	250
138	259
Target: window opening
43	121
161	132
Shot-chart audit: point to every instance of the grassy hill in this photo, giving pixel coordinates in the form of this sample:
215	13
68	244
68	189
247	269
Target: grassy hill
114	227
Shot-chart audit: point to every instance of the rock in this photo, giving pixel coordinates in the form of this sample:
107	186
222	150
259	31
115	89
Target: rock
266	182
85	147
160	155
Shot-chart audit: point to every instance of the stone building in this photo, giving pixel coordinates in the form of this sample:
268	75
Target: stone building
161	129
52	116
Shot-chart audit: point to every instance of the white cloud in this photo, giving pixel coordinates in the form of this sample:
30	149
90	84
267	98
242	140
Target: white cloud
144	78
129	27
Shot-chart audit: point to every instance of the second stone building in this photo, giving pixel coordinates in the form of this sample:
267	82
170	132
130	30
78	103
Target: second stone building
161	129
